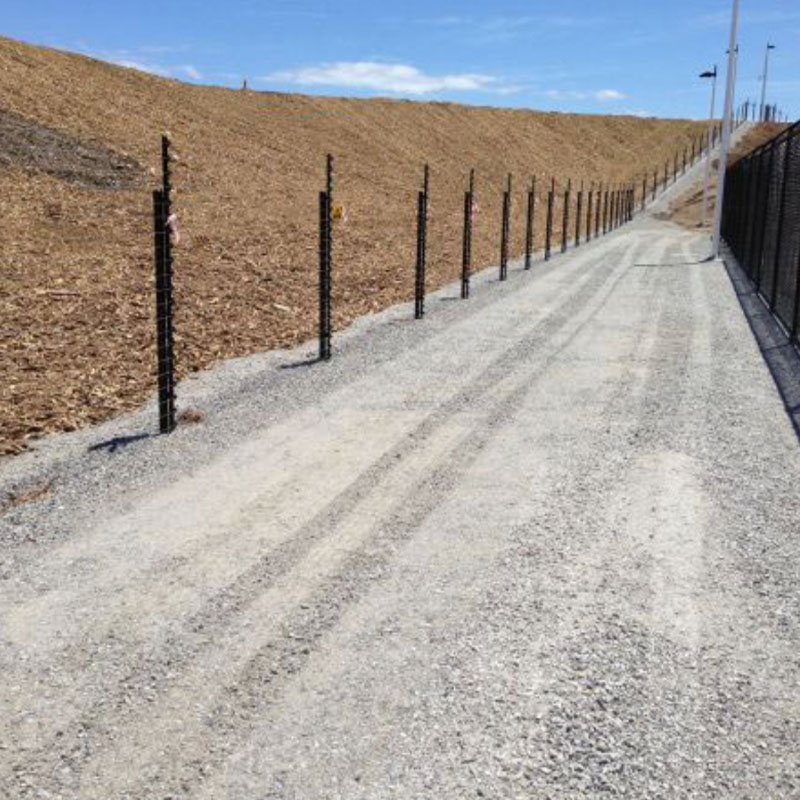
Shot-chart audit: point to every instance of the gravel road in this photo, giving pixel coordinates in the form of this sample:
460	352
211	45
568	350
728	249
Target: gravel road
543	544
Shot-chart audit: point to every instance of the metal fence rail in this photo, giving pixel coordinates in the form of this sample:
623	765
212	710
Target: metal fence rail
761	223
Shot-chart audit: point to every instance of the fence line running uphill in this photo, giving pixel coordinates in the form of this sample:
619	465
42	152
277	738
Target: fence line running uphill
761	223
606	208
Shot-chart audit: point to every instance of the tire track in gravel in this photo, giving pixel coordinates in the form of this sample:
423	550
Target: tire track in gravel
631	713
581	730
572	269
361	567
276	662
464	714
90	656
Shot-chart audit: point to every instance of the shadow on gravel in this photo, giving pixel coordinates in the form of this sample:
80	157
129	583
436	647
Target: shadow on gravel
119	442
780	355
677	264
309	362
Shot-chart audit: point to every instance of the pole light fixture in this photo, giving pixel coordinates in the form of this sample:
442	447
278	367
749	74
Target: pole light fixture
764	75
726	132
713	75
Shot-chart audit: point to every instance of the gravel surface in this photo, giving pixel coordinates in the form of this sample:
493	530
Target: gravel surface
541	545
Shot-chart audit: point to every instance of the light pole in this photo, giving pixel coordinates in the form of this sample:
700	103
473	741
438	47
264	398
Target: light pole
726	132
713	76
764	80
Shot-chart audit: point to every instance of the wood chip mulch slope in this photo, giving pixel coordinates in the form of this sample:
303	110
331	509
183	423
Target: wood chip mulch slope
686	210
79	147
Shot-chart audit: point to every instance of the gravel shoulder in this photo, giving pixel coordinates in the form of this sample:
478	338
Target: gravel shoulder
542	544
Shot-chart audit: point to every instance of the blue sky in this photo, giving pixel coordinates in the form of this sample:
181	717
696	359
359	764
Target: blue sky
618	56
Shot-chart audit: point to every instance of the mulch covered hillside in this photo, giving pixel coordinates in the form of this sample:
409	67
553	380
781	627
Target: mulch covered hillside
686	210
79	148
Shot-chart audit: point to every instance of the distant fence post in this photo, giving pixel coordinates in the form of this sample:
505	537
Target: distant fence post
597	210
466	254
422	237
796	313
612	210
655	183
787	162
529	227
578	216
763	222
505	231
605	212
565	218
325	261
162	230
549	224
589	200
750	258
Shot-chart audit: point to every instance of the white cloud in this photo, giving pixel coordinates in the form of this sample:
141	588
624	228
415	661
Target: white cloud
603	95
189	71
720	19
383	77
609	94
123	60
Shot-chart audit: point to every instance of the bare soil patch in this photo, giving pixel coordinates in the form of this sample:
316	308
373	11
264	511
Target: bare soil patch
28	144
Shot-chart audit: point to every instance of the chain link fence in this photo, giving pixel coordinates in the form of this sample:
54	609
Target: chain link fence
761	223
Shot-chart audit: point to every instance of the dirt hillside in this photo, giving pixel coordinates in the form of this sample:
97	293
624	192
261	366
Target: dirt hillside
686	210
79	146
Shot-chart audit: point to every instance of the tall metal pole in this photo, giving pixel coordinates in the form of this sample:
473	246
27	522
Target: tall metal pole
726	132
707	178
764	81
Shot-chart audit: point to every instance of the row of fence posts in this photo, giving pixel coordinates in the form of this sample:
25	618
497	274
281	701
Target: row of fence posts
749	109
607	209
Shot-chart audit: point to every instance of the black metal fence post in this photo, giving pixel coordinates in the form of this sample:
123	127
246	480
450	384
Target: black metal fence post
776	270
644	191
529	228
565	217
655	183
549	223
505	231
422	247
419	271
466	256
162	221
325	262
612	202
795	327
605	212
762	225
597	210
589	216
578	216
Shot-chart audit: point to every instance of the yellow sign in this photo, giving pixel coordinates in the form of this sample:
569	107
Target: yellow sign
337	213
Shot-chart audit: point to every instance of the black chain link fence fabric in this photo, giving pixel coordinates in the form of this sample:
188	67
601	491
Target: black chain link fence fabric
761	223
